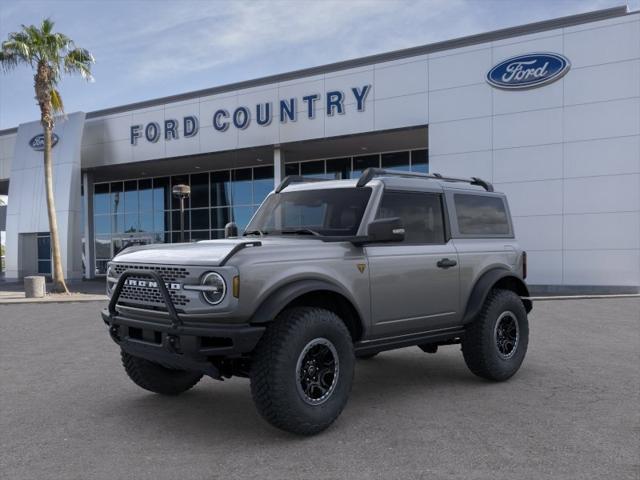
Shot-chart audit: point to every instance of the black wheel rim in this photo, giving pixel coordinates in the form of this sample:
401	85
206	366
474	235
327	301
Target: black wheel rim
317	371
507	335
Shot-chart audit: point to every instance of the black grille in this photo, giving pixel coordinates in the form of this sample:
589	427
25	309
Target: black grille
169	274
135	294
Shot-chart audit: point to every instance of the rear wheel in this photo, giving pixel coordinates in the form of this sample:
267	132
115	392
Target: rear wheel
495	343
302	370
157	378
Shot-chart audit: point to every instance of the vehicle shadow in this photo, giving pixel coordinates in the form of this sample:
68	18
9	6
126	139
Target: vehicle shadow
225	409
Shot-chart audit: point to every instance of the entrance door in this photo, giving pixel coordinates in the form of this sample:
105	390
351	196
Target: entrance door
414	283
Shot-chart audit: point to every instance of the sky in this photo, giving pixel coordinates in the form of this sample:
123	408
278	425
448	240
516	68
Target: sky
147	49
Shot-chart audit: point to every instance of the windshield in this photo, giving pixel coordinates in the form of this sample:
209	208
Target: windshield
324	212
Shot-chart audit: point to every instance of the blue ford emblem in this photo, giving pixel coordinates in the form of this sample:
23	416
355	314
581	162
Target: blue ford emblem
37	142
528	71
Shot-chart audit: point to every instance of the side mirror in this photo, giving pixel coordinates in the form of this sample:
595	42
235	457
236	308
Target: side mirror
230	230
385	230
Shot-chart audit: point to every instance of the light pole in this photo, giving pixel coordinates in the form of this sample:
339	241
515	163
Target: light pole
182	192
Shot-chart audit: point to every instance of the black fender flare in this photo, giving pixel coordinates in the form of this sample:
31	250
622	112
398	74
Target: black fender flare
486	282
282	296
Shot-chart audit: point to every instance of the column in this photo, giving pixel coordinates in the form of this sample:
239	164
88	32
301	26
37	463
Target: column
89	243
278	166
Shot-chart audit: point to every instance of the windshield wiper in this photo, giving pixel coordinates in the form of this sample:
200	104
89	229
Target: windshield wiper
300	231
257	231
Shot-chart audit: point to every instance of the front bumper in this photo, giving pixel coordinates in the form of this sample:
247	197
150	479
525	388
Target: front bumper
172	342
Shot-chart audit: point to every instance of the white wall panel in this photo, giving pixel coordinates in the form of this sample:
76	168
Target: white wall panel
344	82
182	145
7	145
527	128
540	232
506	101
304	128
118	127
615	193
546	42
603	45
602	231
212	140
544	267
602	82
255	135
301	89
94	132
471	164
403	79
533	198
460	136
459	69
602	120
397	112
352	121
602	267
609	156
117	152
527	163
460	103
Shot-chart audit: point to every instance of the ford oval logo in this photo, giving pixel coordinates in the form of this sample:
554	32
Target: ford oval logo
37	142
528	71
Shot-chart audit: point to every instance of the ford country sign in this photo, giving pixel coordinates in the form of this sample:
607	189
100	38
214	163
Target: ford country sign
37	142
528	71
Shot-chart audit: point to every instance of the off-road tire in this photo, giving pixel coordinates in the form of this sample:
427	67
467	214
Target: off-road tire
274	370
479	346
156	378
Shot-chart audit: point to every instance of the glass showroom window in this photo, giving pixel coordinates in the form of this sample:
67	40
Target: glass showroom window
134	212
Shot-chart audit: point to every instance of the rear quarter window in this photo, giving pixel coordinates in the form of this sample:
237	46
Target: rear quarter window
481	215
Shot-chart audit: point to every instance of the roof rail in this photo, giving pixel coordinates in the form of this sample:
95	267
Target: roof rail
373	172
297	179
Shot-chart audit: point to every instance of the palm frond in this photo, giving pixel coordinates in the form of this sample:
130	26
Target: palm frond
79	60
56	101
8	60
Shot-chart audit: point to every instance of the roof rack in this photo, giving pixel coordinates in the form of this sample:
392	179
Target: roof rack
297	179
373	172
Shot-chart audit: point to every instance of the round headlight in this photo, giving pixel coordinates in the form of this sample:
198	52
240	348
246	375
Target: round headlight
215	288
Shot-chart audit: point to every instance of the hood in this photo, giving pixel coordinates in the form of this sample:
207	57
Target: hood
207	252
201	253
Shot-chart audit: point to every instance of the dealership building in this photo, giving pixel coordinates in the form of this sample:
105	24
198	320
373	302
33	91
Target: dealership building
548	112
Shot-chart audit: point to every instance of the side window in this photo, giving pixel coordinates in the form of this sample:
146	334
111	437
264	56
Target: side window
421	215
481	215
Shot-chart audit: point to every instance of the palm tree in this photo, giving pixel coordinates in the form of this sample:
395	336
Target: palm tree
50	55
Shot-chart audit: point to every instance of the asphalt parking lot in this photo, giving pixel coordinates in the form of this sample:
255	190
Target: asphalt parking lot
67	410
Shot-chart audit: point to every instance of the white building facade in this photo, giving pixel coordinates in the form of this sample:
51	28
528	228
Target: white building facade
548	112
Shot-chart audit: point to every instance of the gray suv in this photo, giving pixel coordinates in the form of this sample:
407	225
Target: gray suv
327	271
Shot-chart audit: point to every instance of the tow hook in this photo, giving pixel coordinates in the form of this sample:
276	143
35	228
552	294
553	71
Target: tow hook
113	331
173	343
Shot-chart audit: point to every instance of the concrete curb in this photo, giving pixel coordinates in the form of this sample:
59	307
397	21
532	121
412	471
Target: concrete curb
582	297
53	299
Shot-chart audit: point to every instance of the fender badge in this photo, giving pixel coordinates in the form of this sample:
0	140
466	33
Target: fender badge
361	267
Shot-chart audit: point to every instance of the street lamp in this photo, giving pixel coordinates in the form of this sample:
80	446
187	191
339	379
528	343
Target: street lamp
182	192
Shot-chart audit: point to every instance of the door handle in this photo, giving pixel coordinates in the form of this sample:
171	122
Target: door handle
446	263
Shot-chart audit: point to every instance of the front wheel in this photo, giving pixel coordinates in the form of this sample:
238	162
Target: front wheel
495	343
302	370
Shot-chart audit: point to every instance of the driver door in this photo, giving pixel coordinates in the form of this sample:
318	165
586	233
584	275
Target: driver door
414	283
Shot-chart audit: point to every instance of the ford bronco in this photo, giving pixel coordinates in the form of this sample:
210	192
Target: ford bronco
326	271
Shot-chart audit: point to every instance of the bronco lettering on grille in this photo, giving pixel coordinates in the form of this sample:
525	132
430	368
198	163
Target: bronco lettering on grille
150	284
